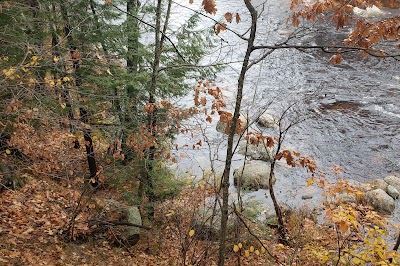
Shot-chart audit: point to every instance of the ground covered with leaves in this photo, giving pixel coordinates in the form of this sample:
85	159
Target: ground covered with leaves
35	225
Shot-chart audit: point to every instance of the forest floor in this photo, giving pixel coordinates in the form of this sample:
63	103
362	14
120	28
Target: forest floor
35	222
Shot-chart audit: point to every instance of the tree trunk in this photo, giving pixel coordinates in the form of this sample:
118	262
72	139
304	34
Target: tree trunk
78	82
229	152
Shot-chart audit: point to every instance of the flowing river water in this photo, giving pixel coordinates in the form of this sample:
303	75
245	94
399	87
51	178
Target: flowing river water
352	109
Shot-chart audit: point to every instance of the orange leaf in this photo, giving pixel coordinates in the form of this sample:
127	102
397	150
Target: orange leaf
336	59
343	226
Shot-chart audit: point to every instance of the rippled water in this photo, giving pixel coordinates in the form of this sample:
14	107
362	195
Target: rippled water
352	109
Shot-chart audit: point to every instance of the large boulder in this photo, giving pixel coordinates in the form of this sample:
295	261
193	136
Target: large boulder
132	234
393	192
207	223
268	120
128	216
380	183
222	127
380	200
256	152
394	181
253	176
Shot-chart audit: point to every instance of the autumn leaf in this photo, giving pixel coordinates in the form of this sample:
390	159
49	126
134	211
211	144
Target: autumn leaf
219	27
343	226
336	59
8	152
107	2
251	249
237	18
262	250
228	16
235	248
170	213
209	6
191	233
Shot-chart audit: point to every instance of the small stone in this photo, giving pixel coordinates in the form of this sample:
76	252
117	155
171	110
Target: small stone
393	192
306	197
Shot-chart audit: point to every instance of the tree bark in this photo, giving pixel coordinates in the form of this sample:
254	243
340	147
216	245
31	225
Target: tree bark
229	152
78	82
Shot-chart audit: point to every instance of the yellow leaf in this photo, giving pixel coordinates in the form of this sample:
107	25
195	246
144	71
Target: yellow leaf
310	182
235	248
56	59
257	252
240	245
191	233
8	151
170	213
66	79
262	250
63	105
251	249
246	253
94	138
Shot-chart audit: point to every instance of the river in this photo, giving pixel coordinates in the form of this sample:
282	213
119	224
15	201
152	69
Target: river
352	109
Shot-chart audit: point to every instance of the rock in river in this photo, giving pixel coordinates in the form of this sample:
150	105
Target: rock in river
255	175
380	200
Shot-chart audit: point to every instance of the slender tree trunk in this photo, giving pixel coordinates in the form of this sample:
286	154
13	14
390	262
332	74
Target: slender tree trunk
229	152
78	82
152	114
396	246
133	58
278	211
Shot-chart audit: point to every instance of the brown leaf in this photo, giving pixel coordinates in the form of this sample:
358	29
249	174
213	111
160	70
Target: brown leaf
228	16
220	27
209	6
237	18
336	59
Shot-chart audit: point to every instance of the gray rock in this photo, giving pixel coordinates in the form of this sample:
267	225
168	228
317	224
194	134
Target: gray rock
129	214
255	175
380	200
394	181
380	183
207	223
306	197
347	198
393	192
132	234
222	127
268	120
256	152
